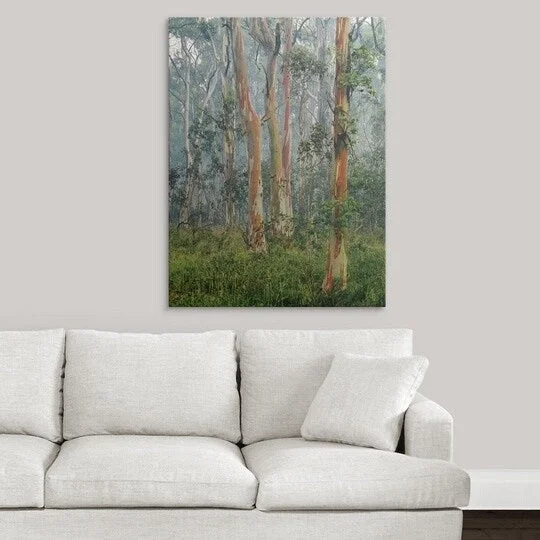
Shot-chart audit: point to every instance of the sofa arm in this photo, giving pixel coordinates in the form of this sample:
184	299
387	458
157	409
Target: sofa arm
428	430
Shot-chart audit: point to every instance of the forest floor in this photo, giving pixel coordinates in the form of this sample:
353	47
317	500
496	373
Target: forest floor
213	268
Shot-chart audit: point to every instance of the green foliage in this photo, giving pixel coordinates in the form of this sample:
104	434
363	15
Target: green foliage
193	27
304	64
367	186
363	58
353	80
326	216
214	268
226	116
359	75
202	135
318	144
348	125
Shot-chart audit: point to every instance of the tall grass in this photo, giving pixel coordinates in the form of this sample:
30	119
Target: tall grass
214	268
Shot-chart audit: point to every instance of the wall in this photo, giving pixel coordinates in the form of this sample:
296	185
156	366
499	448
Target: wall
83	202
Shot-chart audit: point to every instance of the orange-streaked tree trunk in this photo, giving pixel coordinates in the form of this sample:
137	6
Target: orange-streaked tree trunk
336	266
280	209
287	122
252	125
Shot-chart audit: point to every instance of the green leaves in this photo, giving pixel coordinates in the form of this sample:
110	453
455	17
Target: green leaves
336	213
193	27
362	58
304	64
318	144
361	70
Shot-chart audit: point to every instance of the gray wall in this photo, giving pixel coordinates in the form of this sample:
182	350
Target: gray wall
83	202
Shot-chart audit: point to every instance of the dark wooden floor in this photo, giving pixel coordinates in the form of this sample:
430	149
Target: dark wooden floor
501	525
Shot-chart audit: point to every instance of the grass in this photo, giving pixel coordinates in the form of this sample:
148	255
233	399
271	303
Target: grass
213	268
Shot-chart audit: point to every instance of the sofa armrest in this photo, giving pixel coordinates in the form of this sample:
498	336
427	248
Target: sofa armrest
428	430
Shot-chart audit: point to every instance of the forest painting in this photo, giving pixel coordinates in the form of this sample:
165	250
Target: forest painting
277	162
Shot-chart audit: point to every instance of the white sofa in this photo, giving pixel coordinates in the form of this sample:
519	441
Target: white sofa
144	436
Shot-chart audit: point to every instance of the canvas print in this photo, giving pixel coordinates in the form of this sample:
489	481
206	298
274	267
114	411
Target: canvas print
277	162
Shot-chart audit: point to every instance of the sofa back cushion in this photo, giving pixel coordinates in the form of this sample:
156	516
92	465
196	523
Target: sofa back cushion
148	384
282	370
31	365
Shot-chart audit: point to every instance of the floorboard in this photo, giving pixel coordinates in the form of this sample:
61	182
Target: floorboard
501	525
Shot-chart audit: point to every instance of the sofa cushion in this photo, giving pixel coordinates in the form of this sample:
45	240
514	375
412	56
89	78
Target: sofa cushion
23	462
295	474
31	366
363	400
283	369
137	471
147	384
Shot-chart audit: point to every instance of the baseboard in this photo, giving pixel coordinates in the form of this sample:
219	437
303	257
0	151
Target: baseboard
504	489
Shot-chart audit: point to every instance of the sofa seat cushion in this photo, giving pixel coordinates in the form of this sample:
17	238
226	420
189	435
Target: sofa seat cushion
144	471
24	460
295	474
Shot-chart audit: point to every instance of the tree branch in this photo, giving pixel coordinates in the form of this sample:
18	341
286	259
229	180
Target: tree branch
355	30
174	94
177	69
260	31
299	29
375	41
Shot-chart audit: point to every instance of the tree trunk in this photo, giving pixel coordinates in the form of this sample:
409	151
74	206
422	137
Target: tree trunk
278	212
252	125
324	28
303	129
336	267
228	163
287	118
187	202
324	90
227	98
191	209
279	201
